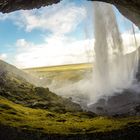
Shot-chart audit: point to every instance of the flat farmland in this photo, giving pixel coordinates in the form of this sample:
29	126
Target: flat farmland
62	73
70	67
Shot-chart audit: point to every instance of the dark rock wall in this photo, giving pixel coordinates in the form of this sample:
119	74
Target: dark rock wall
7	6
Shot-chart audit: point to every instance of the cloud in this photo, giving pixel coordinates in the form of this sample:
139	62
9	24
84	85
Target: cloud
22	43
3	16
3	56
59	18
57	50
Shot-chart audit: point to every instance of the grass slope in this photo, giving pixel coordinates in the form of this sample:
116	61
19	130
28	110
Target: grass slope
21	117
14	87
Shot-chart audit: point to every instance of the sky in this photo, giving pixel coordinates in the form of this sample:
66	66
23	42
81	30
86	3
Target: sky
54	35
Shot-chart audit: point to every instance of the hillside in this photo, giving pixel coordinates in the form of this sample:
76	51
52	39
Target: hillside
16	87
23	123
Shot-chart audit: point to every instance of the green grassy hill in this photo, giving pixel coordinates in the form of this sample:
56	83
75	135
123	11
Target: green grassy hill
14	87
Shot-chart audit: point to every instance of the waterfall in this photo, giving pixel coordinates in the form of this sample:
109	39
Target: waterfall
113	70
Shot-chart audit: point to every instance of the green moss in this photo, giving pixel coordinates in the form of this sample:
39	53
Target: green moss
18	90
15	115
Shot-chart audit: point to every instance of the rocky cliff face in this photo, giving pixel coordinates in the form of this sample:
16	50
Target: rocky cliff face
129	8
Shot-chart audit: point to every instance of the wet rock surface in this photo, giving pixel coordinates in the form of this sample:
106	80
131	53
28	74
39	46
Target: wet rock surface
124	103
121	104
